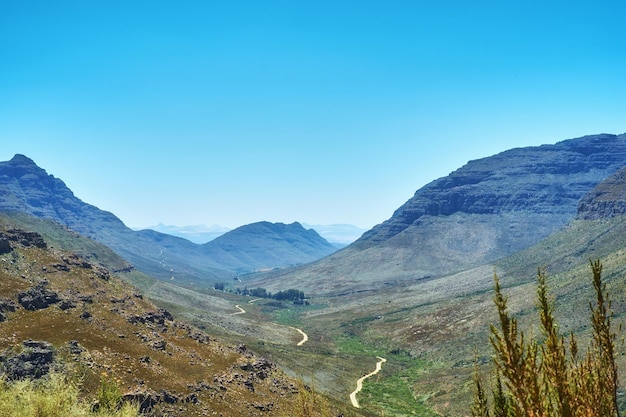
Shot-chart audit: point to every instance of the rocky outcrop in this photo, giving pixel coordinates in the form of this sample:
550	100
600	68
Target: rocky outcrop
6	306
38	297
155	317
23	237
606	200
5	246
34	361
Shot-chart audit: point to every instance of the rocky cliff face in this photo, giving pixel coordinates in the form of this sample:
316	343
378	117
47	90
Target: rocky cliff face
606	200
548	179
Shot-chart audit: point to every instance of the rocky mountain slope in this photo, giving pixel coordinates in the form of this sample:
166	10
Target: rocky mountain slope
549	179
64	312
27	188
487	209
606	200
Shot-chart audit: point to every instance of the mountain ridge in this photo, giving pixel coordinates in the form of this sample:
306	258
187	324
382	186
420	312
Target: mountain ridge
27	188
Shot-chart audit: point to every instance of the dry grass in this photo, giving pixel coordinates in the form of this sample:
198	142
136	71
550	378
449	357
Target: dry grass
53	396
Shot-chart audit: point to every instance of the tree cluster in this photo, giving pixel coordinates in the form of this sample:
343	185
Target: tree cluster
287	295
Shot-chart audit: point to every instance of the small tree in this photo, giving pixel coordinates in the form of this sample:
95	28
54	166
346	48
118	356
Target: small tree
550	379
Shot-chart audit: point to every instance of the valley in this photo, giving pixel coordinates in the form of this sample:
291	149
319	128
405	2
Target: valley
390	325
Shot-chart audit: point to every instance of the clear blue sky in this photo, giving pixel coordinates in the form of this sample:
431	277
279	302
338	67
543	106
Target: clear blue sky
230	112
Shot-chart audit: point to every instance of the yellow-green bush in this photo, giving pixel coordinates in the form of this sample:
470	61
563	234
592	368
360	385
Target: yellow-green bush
551	378
52	396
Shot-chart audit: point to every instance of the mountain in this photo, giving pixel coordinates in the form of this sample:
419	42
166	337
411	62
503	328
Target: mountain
338	235
27	188
194	233
262	246
61	311
485	210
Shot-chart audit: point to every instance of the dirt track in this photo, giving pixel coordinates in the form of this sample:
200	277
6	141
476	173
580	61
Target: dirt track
305	337
359	382
241	310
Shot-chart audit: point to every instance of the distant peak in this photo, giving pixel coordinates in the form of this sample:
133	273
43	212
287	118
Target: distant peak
19	158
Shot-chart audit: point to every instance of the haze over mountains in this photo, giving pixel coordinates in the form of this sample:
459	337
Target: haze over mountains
339	235
199	233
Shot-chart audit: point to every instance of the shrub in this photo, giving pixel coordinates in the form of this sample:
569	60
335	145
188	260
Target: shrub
550	379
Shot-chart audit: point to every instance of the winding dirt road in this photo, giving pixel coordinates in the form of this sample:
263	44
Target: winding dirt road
359	382
241	310
305	337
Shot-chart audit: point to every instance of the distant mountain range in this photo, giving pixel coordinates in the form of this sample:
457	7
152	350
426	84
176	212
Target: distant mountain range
27	188
338	235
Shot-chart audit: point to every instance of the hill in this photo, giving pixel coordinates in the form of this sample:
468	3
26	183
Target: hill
27	188
265	245
485	210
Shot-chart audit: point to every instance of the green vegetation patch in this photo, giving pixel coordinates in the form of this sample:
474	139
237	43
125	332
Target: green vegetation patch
392	395
390	392
353	345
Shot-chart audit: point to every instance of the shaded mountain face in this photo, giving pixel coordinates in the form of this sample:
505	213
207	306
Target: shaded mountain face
606	200
27	188
487	209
